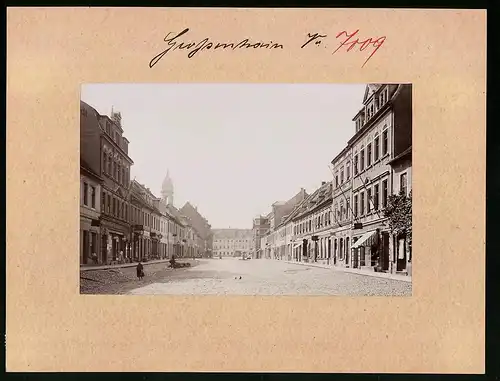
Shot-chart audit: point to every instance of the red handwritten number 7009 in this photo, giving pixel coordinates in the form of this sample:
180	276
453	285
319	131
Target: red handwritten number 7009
351	43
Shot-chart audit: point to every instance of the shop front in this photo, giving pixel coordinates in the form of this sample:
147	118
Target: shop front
89	241
370	250
141	243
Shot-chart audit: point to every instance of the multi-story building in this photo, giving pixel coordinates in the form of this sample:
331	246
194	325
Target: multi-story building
260	227
275	235
383	131
202	227
104	148
399	247
178	232
232	242
193	241
312	226
144	220
90	211
342	207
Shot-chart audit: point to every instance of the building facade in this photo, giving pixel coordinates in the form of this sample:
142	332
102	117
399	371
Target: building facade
115	226
273	241
232	242
399	244
105	151
90	211
363	179
142	214
260	227
342	208
312	227
201	226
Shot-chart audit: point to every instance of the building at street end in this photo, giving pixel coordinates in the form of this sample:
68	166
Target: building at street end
232	242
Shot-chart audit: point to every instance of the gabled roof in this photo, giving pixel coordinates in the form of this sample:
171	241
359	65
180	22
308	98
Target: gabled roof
322	195
370	89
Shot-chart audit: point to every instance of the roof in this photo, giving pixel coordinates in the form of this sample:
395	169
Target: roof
176	214
370	89
376	117
232	233
199	222
86	167
401	156
321	196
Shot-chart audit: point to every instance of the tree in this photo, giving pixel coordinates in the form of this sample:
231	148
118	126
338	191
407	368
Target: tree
398	212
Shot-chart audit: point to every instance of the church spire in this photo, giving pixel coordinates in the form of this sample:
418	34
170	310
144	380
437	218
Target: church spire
167	190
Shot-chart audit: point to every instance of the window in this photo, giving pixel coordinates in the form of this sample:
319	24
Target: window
362	203
375	196
92	194
109	204
115	170
355	165
104	162
85	194
362	160
355	205
103	202
384	143
119	173
348	174
336	180
342	175
376	150
368	200
403	186
341	210
310	225
369	155
347	208
109	165
384	193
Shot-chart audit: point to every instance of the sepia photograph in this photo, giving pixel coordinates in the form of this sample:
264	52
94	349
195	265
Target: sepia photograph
246	189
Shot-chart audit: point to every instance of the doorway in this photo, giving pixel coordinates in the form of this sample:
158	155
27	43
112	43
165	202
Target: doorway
401	252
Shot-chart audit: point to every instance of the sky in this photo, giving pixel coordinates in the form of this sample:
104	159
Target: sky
232	150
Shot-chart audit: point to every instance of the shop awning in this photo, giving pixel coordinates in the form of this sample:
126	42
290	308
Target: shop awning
366	239
297	245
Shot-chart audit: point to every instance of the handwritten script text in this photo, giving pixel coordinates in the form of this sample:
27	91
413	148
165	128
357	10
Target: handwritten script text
344	41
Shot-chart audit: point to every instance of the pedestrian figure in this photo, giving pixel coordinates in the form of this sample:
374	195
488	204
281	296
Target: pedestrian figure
140	271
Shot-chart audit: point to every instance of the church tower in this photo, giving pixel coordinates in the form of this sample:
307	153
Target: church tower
167	190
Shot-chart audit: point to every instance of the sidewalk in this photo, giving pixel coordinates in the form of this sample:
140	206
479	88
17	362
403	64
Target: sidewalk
403	278
134	264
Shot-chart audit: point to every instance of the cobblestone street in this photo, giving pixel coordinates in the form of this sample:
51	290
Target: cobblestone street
268	277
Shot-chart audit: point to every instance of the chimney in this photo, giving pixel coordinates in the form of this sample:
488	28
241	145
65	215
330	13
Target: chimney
323	183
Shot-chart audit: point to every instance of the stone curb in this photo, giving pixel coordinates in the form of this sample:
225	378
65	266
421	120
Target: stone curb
109	267
359	272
